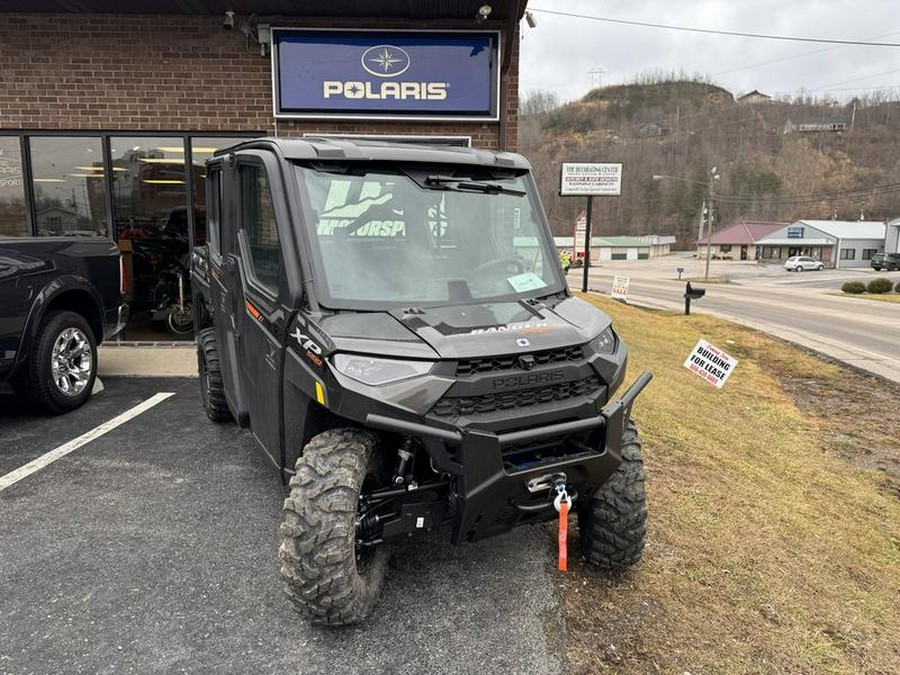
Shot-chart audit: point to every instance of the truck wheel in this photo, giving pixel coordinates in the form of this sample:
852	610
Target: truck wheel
212	388
329	578
62	367
612	524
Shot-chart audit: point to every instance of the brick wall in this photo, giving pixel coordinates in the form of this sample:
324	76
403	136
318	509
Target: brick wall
166	73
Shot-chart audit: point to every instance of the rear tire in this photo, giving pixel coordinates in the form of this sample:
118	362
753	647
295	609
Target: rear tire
212	387
329	580
62	366
612	524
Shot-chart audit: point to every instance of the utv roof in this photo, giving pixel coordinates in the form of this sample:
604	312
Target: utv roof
342	150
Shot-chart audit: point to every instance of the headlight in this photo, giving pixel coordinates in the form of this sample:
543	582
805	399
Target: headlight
605	343
375	372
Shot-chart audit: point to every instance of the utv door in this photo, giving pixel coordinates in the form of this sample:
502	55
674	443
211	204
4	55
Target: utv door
259	318
224	283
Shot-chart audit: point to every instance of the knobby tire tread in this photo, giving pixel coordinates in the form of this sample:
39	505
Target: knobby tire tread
318	550
613	524
214	399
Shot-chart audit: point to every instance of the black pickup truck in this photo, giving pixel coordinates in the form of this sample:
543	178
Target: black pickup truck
60	297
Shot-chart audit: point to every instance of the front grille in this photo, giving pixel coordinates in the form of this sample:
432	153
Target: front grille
499	364
521	398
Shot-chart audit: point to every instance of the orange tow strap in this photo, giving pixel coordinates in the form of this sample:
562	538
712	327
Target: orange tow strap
563	535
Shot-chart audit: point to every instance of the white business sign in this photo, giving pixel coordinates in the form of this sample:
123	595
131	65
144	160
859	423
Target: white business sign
590	178
620	288
710	363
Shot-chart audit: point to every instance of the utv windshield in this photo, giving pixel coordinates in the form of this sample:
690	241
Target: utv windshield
388	237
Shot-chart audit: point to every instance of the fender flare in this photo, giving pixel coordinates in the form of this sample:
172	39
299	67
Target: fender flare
42	301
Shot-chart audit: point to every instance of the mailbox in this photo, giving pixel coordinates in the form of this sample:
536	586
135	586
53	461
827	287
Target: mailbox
691	294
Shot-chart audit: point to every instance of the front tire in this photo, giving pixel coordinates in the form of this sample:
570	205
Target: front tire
613	524
62	366
329	579
212	386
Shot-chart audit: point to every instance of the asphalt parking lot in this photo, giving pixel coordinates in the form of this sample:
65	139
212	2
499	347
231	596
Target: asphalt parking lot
152	549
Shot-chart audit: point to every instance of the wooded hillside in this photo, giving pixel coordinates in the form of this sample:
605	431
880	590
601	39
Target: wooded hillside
775	160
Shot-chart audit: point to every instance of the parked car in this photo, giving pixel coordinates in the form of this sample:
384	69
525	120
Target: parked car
798	263
888	261
60	297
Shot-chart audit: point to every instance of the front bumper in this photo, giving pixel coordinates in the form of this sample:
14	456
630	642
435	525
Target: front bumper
492	493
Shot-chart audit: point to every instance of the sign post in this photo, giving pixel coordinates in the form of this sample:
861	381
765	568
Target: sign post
589	179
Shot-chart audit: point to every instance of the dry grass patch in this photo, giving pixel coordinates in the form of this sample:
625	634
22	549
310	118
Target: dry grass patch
766	553
878	297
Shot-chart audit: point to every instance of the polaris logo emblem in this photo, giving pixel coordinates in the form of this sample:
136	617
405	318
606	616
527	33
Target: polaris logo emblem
527	380
385	61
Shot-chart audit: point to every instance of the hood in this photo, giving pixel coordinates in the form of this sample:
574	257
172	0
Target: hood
467	331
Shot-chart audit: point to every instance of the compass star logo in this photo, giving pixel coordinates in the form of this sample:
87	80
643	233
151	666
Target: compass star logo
385	61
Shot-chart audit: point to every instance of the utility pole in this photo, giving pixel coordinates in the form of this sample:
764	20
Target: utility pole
596	77
713	177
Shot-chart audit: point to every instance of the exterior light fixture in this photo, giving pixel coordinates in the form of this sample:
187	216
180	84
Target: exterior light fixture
530	20
484	12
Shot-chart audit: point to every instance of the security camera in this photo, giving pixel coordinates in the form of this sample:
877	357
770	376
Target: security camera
228	22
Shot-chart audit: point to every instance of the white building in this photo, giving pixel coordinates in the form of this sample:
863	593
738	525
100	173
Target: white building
619	248
837	243
892	237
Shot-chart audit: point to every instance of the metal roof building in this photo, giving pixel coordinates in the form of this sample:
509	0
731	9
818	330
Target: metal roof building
837	243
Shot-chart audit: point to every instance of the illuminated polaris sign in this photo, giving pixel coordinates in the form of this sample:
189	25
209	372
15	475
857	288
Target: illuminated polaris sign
387	74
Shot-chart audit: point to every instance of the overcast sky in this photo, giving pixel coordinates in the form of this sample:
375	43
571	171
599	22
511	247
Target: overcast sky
560	52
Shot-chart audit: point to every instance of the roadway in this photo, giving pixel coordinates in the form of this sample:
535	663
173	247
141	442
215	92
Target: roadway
798	307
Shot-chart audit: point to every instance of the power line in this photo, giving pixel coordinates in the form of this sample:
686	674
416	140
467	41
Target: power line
709	31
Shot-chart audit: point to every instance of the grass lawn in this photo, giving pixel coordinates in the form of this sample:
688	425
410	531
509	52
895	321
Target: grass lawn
769	550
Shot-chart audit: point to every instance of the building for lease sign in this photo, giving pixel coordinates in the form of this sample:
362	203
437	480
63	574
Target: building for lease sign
590	178
710	363
620	288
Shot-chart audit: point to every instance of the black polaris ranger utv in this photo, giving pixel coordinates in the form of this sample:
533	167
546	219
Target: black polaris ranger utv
392	323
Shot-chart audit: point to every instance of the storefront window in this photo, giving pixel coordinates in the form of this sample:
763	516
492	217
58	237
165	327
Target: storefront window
69	192
150	197
12	189
201	150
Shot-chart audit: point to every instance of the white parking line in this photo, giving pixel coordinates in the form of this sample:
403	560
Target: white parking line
37	464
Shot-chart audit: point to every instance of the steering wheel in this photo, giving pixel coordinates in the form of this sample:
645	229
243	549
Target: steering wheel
508	266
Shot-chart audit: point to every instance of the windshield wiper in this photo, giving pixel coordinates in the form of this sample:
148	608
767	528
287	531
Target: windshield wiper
451	183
